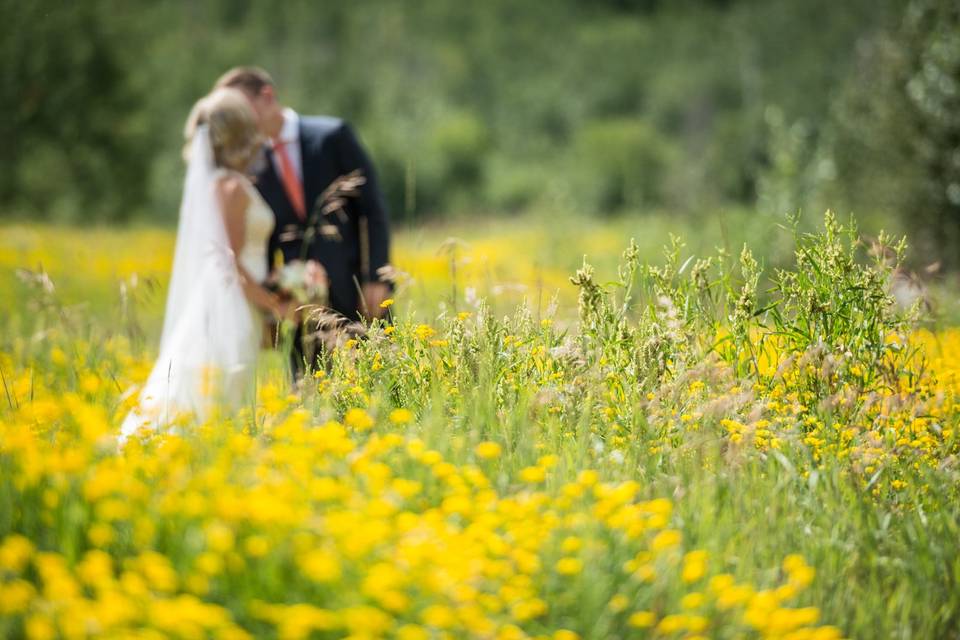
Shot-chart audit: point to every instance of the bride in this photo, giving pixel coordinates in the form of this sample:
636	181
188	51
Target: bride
212	328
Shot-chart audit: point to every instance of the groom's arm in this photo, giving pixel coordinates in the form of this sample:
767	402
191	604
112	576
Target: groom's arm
369	203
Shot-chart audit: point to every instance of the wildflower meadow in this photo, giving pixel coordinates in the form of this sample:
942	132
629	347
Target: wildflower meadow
686	444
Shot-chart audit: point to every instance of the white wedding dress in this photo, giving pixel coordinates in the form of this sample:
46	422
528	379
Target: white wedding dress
211	332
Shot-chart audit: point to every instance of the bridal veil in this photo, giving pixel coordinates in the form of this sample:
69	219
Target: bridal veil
210	335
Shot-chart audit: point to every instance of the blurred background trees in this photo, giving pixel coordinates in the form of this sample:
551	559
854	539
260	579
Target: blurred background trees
598	107
73	125
897	125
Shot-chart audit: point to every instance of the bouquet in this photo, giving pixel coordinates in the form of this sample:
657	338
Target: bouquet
304	281
321	330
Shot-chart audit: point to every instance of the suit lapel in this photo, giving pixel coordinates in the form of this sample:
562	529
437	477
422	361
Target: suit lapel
307	169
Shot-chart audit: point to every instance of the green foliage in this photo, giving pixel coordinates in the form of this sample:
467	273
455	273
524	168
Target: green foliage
452	161
498	105
74	138
797	166
622	165
832	305
839	306
899	125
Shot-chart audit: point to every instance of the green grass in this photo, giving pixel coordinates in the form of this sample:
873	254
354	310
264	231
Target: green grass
642	373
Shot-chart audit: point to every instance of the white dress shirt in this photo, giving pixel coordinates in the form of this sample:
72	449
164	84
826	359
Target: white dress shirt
290	138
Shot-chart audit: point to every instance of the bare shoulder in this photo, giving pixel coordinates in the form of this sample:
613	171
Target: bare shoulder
232	193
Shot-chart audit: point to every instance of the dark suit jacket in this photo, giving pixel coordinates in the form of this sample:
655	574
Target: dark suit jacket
329	149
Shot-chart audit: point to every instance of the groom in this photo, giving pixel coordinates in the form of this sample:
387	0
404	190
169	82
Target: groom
306	154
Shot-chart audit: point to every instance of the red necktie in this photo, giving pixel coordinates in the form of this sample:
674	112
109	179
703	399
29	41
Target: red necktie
291	183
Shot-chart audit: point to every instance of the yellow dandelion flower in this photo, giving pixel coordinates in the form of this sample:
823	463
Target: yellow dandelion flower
571	544
15	597
424	331
694	566
548	461
219	537
588	477
488	450
721	582
642	619
366	621
15	552
569	566
533	475
358	419
693	600
401	416
438	616
618	603
412	632
40	628
666	539
256	546
100	534
320	565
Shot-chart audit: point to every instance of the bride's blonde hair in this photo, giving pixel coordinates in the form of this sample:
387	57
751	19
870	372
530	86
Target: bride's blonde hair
232	124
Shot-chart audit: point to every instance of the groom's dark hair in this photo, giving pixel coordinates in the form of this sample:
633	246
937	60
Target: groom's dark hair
250	80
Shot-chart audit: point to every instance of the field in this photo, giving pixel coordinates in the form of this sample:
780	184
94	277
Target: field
686	443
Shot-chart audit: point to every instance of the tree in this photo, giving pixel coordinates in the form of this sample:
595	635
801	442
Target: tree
69	134
898	125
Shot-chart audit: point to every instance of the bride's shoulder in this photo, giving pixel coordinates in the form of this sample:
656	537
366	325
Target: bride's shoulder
231	189
231	178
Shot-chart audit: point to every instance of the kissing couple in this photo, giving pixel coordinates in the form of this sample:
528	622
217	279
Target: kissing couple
278	210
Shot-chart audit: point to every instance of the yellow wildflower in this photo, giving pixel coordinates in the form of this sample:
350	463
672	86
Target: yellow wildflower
488	450
401	416
642	619
358	419
569	566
